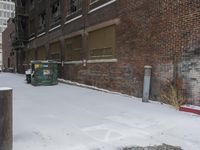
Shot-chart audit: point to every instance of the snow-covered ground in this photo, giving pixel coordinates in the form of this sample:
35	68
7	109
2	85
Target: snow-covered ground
66	117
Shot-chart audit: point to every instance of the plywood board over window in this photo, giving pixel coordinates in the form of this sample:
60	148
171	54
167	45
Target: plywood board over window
55	51
26	57
41	53
73	48
29	55
102	43
31	27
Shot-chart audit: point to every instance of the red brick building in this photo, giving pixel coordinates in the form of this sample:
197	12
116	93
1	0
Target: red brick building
107	43
9	57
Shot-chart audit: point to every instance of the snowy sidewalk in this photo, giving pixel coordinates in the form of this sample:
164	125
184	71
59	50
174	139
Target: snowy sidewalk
66	117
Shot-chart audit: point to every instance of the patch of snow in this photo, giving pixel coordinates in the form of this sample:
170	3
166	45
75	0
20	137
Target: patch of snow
66	117
5	88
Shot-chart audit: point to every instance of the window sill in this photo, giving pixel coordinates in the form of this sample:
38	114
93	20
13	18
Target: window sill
70	14
91	61
100	6
31	35
94	2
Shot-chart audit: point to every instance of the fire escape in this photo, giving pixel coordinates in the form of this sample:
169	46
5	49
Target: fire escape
20	38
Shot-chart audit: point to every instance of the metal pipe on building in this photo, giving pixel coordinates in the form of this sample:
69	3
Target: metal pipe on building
6	131
147	82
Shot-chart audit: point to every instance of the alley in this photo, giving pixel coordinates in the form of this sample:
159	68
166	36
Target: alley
66	117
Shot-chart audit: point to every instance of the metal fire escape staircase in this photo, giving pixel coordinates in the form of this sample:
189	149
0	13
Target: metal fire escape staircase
21	17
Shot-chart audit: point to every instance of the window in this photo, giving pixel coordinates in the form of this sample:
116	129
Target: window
12	36
32	4
8	14
75	5
1	5
12	15
55	10
73	48
29	56
8	7
55	51
42	21
102	43
31	27
41	53
12	7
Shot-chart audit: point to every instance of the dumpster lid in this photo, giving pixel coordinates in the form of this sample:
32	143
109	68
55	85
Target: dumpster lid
44	62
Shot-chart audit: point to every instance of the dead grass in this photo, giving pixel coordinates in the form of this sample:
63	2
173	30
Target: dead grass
173	94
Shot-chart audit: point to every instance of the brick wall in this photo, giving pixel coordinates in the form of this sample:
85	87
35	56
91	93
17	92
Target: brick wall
163	34
8	53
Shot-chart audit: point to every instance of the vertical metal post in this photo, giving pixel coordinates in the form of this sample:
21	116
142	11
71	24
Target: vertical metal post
6	136
146	86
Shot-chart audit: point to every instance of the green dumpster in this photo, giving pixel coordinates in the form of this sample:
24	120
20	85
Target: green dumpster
44	72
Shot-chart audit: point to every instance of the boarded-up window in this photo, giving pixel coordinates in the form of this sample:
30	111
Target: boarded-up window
29	56
31	27
102	43
41	53
73	48
55	51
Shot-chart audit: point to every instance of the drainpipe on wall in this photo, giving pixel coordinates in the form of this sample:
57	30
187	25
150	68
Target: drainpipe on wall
147	82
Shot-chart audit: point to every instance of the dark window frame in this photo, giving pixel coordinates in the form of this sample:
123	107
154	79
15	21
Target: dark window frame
42	20
55	7
74	6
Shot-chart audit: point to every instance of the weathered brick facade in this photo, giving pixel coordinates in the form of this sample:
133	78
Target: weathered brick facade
160	33
9	56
